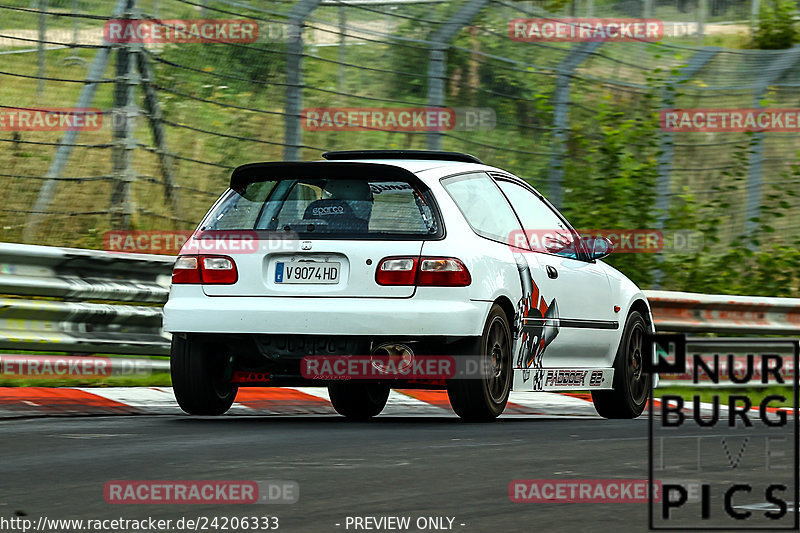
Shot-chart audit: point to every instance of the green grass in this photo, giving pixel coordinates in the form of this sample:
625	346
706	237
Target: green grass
160	379
707	394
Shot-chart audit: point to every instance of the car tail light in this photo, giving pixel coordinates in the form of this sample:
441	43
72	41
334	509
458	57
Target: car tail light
205	269
396	271
442	272
423	271
186	270
218	270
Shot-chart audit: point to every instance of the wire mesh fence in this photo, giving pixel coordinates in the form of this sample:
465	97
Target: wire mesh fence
173	115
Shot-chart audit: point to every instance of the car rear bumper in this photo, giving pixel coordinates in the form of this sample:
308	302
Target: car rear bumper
425	314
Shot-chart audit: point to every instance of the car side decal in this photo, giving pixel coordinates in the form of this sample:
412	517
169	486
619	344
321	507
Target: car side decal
535	325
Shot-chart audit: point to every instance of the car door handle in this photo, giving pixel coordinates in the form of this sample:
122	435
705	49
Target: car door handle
552	273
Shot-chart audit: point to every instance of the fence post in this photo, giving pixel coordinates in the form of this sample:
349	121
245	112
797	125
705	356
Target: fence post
702	14
561	118
666	138
437	63
154	115
755	8
340	80
41	52
64	149
786	60
648	9
666	141
124	117
294	77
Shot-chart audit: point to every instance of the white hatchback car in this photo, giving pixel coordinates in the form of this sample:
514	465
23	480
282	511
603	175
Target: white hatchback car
400	253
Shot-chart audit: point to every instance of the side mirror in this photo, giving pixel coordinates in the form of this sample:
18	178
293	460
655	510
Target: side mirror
599	247
556	243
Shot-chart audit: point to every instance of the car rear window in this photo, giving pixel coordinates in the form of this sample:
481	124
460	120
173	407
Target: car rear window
339	206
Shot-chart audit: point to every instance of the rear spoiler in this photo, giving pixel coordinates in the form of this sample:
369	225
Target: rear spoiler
255	172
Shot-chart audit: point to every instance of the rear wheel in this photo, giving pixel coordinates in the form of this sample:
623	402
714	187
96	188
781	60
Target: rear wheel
484	399
358	401
198	377
631	383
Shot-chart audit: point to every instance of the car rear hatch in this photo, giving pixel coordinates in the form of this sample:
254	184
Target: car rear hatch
316	229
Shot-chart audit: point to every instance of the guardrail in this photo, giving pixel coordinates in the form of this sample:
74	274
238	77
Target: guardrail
82	301
87	301
686	312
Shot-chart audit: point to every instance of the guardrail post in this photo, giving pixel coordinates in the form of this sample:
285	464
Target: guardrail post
294	77
437	64
561	104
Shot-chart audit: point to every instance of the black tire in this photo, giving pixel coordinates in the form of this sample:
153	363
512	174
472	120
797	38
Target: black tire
197	377
631	383
358	401
483	400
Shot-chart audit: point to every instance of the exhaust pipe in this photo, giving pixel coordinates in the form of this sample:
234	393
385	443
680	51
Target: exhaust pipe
391	358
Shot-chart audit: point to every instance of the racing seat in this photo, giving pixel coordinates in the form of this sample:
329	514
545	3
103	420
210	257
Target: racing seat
337	214
349	208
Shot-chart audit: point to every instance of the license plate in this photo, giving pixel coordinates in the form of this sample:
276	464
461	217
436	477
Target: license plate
307	272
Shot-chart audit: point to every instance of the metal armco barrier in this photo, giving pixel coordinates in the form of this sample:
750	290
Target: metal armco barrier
686	312
82	301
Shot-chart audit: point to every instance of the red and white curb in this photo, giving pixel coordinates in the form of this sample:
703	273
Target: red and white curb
55	401
285	401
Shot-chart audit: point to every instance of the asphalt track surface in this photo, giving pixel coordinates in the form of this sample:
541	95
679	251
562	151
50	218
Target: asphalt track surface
397	465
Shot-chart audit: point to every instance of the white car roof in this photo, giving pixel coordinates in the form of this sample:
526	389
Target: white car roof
424	167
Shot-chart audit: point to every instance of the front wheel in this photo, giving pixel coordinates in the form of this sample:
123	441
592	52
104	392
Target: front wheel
482	400
631	383
198	377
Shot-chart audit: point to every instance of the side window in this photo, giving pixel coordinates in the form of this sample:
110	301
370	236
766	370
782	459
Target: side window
483	205
546	231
